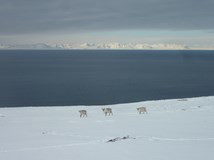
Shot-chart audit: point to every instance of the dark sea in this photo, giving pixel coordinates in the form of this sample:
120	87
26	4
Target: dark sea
102	77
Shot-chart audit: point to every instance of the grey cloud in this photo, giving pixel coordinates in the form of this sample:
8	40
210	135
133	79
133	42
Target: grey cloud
36	16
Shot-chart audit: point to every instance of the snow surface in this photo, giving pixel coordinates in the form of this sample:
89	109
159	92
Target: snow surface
179	129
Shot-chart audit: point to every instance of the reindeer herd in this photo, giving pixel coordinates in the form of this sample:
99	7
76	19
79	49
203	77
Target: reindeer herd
108	111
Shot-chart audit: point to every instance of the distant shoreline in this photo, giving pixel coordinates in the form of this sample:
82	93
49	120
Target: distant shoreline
145	101
110	49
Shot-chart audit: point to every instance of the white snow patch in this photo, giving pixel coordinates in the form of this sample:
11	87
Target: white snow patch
172	130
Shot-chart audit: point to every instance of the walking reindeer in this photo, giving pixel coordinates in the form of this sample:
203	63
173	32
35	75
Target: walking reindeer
83	113
107	111
142	110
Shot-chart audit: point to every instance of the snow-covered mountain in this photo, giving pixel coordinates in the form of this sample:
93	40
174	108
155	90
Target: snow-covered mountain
115	45
27	46
139	46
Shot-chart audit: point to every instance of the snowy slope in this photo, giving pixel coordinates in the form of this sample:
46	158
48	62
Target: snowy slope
180	129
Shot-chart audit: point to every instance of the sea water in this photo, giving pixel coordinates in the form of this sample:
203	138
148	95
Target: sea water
102	77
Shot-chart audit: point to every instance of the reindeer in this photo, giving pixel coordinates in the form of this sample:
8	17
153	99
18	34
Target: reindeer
142	109
107	111
83	113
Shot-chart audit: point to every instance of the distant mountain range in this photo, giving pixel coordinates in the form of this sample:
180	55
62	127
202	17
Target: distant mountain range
116	45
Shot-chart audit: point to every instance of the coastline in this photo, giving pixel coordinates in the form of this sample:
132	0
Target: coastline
116	104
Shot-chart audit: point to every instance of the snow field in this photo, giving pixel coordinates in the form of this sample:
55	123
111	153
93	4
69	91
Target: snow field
172	130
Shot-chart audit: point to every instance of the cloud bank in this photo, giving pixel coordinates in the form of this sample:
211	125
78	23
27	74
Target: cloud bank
77	16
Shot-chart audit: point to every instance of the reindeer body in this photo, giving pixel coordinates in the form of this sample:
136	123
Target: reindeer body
107	111
83	113
142	110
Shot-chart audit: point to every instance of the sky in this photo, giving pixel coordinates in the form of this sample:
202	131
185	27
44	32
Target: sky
75	21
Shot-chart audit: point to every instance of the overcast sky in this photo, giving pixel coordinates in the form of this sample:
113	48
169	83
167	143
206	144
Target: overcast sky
152	21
